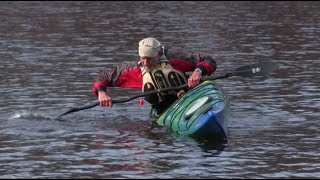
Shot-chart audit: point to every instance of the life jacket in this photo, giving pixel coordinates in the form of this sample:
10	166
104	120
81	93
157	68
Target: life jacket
162	76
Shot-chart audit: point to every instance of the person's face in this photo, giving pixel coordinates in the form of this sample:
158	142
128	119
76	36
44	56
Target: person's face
149	62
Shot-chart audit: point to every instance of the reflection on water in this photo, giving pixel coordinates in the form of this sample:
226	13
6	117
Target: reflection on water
50	52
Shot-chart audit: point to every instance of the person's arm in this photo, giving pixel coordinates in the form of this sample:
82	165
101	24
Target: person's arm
200	64
118	77
205	65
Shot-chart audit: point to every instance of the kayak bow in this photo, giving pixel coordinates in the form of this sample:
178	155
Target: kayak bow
201	112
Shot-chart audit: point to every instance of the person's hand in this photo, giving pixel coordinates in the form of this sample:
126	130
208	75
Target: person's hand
194	79
104	99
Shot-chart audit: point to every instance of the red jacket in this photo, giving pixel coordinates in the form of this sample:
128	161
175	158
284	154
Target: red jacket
129	75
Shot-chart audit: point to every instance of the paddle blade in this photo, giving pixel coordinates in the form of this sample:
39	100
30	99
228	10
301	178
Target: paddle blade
259	69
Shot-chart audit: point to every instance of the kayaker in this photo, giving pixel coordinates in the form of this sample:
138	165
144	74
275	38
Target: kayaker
158	67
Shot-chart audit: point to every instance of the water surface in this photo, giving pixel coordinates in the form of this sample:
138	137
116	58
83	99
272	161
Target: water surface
50	52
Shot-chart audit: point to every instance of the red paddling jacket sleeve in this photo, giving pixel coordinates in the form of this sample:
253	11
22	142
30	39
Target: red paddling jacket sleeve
129	75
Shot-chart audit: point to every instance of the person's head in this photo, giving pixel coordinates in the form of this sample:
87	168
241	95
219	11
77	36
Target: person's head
150	52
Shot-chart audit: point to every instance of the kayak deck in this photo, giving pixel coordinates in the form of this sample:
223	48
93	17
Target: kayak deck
202	113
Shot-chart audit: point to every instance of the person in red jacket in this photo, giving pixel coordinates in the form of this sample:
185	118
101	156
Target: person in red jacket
158	67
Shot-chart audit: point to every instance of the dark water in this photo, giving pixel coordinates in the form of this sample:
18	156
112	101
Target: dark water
50	52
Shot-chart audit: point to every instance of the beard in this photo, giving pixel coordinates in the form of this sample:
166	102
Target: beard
151	65
148	68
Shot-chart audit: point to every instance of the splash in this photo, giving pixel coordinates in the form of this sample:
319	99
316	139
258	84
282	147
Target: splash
30	115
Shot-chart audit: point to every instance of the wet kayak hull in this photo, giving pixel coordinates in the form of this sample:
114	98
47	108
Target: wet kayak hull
202	113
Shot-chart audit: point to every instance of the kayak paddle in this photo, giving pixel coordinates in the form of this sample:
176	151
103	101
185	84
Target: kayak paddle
259	69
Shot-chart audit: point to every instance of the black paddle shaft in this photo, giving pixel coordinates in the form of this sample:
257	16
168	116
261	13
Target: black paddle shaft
249	71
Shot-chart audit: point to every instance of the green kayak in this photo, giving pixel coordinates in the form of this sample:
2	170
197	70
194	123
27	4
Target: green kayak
202	112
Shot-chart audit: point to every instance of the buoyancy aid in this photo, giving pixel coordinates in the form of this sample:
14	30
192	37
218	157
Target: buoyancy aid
162	76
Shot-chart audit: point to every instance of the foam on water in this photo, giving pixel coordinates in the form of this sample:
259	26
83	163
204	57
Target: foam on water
31	115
